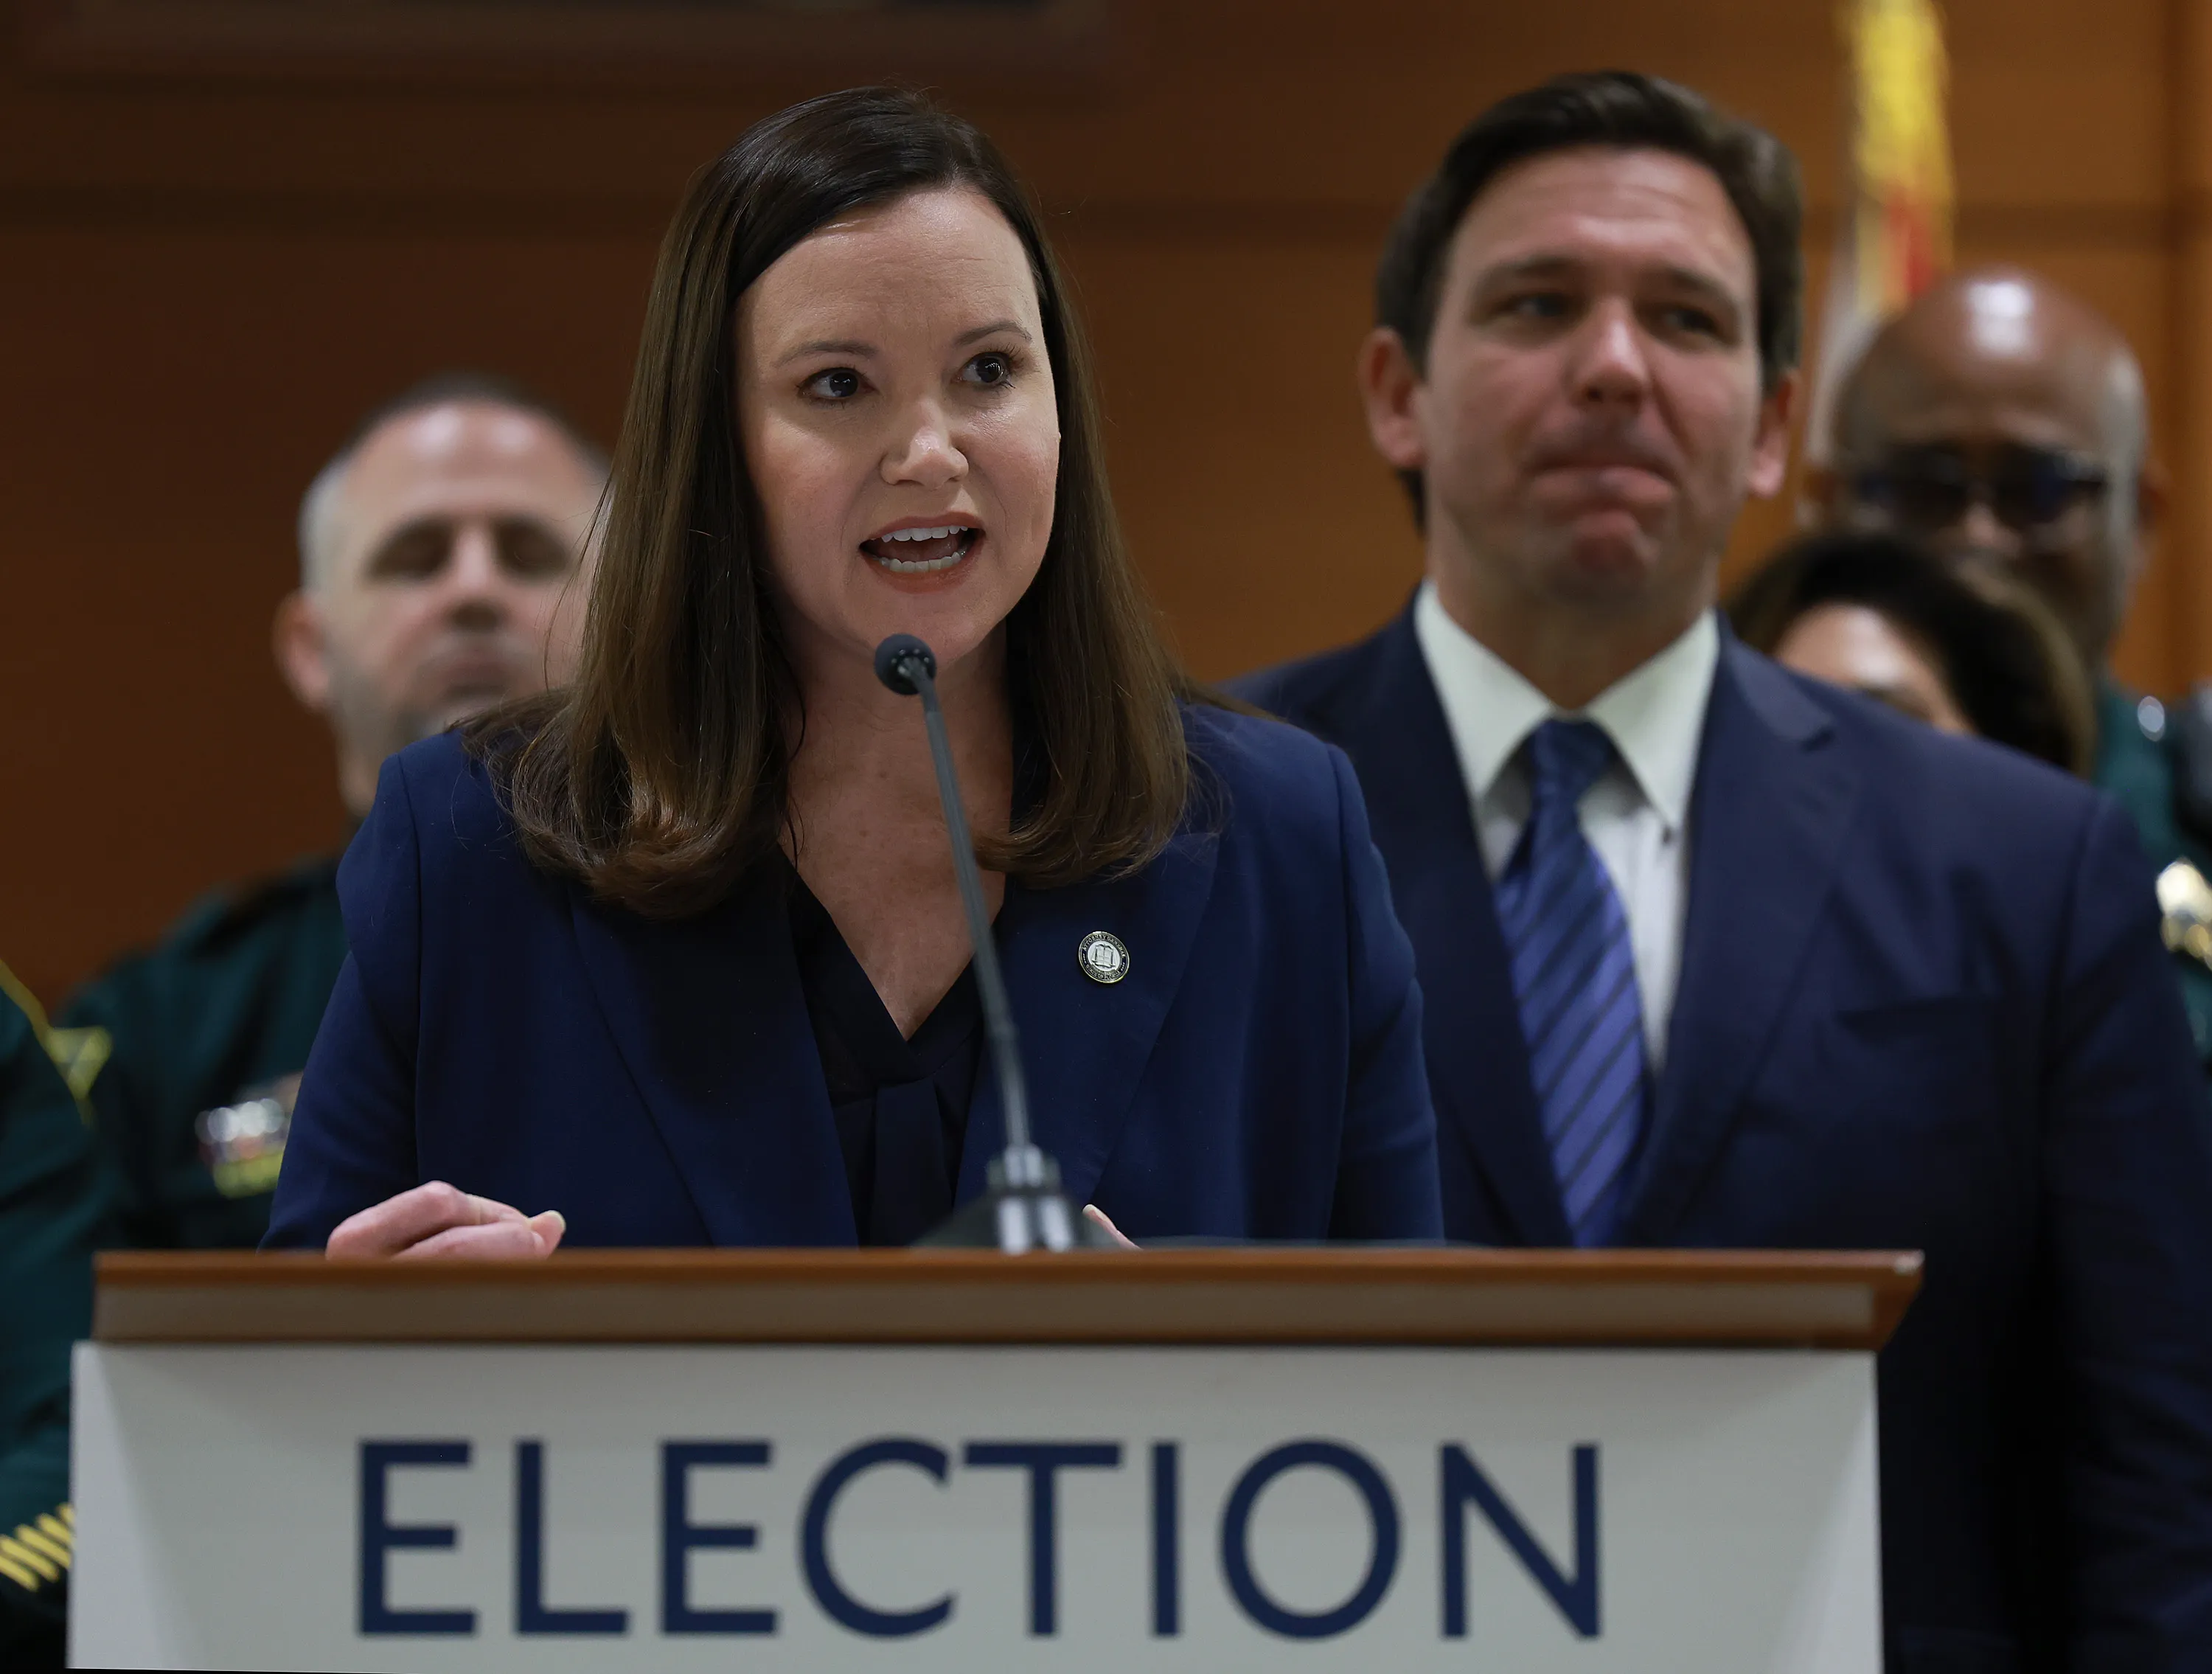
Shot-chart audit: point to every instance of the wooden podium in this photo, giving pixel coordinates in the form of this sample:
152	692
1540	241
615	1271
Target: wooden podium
1242	1458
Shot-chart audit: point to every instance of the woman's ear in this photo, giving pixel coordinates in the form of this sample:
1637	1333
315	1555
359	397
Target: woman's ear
300	641
1390	385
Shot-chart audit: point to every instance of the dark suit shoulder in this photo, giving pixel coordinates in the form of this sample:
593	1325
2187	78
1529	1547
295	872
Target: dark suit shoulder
1256	750
1310	691
438	856
461	818
1935	805
1278	786
1918	765
452	794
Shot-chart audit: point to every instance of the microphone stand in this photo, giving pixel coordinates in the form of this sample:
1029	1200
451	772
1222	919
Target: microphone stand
1021	1207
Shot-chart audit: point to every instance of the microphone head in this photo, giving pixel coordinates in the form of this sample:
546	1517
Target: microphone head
892	657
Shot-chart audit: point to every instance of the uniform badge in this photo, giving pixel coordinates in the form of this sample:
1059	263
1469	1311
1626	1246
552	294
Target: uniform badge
2185	905
243	1144
1103	957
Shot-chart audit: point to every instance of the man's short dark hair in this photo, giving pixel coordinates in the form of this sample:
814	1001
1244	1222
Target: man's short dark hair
1619	109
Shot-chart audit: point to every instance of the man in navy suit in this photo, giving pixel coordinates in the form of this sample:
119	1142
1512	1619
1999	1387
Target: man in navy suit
1714	955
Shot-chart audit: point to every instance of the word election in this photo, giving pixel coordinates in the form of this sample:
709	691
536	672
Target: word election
1461	1487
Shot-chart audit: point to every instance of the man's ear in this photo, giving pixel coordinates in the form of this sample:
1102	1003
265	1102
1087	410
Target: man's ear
301	642
1390	385
1770	448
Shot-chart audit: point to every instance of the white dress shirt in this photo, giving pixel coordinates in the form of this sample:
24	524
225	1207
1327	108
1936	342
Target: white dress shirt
1636	816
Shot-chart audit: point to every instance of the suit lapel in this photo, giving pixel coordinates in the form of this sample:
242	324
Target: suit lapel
1417	803
1085	1044
1768	822
711	1023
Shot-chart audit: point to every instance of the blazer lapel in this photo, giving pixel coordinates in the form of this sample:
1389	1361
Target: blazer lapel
1085	1044
1424	824
1768	823
711	1022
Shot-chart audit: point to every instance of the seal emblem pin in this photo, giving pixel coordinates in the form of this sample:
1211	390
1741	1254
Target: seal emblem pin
1103	957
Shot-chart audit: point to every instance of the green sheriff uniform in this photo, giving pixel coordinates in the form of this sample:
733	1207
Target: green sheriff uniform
191	1056
2156	759
53	1202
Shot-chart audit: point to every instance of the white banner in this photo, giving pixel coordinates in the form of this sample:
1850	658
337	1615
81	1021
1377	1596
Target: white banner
545	1509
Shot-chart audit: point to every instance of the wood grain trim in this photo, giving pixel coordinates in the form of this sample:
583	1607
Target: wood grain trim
416	211
1241	1296
653	44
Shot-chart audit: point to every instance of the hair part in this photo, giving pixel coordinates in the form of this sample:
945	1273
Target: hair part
1616	110
318	505
663	774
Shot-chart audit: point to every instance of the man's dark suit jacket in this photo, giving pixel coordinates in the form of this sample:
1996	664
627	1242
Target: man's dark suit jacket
1922	1004
1255	1074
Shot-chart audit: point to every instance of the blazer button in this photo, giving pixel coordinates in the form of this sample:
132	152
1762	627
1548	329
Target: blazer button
1103	957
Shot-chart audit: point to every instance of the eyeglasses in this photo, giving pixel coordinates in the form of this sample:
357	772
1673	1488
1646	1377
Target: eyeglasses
2028	489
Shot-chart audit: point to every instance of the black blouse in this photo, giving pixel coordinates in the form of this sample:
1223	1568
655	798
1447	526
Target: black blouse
901	1104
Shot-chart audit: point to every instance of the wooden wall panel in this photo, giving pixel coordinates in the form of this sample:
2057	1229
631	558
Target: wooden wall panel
204	277
1263	521
167	395
2187	592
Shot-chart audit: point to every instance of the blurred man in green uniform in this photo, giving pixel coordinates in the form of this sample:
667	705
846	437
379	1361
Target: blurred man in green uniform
441	569
53	1203
2000	419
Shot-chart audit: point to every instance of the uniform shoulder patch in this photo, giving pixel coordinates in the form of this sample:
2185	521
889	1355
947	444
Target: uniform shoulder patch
80	1054
75	1052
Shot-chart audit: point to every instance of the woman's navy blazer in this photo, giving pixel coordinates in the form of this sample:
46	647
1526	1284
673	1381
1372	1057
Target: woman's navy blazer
1257	1074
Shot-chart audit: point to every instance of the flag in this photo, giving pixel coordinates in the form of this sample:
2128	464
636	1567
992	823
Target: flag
1894	223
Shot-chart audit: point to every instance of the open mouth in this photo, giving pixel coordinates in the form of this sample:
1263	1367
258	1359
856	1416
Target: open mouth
924	551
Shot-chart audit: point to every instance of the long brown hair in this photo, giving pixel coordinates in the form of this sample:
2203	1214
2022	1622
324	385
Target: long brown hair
662	773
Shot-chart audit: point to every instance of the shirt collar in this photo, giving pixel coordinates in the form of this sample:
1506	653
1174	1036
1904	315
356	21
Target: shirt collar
1655	714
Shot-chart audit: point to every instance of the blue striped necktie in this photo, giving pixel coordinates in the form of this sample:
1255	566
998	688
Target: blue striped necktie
1574	974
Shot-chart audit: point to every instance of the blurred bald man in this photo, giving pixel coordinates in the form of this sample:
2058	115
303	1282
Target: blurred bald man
2002	421
441	554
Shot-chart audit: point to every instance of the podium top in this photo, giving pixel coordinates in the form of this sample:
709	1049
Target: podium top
1246	1296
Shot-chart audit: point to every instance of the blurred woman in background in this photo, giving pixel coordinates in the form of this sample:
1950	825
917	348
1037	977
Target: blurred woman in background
1960	648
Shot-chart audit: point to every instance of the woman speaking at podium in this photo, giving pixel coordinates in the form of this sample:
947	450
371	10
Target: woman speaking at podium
675	956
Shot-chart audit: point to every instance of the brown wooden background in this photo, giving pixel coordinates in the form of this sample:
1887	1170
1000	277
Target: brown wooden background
207	268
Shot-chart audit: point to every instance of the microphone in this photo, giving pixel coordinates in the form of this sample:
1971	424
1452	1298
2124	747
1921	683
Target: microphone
1021	1208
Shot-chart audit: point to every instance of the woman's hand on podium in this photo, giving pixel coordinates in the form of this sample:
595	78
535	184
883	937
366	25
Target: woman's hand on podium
1098	1217
435	1219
